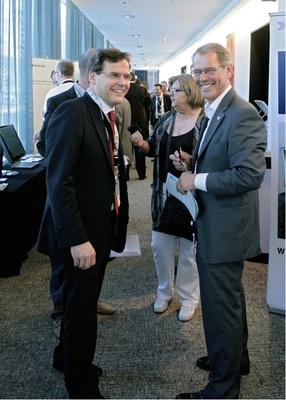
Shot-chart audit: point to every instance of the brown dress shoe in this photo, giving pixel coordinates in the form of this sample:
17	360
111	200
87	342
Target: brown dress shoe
105	309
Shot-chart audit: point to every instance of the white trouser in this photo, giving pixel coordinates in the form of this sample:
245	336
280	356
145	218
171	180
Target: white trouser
187	278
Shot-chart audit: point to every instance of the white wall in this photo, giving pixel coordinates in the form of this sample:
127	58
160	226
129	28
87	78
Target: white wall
246	18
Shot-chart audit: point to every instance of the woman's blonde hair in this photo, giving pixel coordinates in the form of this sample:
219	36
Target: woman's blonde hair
189	85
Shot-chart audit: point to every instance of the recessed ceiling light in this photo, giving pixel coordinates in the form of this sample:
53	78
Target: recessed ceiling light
129	16
136	35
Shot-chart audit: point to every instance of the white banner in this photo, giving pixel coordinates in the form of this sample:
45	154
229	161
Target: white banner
42	83
276	142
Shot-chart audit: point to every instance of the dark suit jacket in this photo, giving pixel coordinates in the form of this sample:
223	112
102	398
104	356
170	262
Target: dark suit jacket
233	156
140	101
52	104
167	107
80	181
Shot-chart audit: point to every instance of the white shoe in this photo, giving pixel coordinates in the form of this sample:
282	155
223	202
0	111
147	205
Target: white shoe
161	305
186	313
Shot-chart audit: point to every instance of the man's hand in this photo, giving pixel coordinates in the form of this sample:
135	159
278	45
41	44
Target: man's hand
84	255
181	160
186	182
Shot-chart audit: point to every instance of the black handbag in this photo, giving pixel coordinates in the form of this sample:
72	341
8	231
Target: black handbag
175	218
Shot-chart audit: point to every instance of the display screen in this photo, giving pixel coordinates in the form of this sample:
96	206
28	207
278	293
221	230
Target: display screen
11	144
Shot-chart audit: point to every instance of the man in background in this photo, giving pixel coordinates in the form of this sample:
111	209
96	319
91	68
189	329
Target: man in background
63	76
123	121
161	103
139	100
164	85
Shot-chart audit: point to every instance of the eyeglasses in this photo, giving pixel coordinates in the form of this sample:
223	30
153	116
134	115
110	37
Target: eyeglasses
175	91
208	71
116	76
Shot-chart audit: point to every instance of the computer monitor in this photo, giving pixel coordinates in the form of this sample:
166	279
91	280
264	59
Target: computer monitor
11	144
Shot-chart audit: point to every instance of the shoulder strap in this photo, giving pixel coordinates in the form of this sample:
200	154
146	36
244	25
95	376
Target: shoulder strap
169	141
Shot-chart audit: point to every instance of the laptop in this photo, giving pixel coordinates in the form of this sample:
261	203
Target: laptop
13	149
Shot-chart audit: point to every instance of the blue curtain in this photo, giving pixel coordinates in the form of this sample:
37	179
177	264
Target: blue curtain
46	22
81	34
32	28
15	69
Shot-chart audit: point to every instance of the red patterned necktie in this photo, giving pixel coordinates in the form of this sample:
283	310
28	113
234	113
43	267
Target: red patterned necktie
111	116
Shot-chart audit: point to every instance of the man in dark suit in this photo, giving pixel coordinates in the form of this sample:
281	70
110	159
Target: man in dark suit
57	276
161	103
140	101
86	212
229	167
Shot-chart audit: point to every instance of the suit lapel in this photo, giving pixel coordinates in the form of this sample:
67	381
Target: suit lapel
99	121
216	120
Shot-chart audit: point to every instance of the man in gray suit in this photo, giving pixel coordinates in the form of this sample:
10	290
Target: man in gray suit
228	168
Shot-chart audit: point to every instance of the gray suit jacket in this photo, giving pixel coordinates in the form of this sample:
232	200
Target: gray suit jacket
123	121
233	156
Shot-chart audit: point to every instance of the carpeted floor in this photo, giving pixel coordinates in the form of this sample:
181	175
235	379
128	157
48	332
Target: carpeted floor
144	355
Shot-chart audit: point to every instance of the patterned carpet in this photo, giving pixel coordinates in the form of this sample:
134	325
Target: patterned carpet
144	355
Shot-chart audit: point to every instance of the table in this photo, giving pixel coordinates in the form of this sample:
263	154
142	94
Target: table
21	209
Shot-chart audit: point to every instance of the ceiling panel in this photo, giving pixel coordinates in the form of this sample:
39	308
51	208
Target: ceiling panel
153	31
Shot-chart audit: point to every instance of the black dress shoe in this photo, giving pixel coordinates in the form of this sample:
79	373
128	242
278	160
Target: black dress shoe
193	395
93	394
203	363
96	370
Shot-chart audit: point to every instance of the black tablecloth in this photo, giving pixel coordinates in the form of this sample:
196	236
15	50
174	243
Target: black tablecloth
21	208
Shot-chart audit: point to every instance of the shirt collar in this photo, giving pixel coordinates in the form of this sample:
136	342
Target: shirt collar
66	81
79	90
210	108
101	103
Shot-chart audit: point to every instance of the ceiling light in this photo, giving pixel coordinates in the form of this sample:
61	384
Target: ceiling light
129	16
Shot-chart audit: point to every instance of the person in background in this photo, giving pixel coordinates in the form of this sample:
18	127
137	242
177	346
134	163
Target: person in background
187	103
54	77
140	101
63	75
165	90
228	169
57	274
123	121
86	212
160	104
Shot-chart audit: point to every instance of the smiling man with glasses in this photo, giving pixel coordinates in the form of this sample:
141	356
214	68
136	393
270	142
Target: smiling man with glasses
86	211
228	169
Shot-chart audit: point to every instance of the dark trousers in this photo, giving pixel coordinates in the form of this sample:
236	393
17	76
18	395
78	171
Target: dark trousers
79	326
56	285
140	162
140	158
225	325
78	336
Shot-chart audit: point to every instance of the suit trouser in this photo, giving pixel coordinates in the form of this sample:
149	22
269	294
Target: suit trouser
187	279
225	325
140	158
78	337
79	326
57	283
